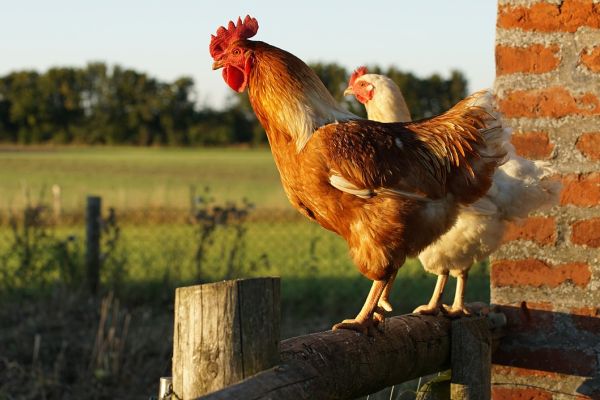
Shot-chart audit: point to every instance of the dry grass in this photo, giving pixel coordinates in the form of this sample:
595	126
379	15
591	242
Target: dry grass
70	346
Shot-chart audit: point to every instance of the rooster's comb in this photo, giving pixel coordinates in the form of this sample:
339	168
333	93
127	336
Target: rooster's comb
224	36
358	72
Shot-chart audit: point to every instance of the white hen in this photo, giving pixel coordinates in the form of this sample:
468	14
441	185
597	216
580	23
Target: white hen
519	187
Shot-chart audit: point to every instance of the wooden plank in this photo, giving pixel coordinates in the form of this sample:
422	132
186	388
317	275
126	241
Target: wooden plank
471	358
224	332
344	364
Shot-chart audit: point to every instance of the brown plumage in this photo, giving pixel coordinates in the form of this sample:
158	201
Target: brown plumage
388	189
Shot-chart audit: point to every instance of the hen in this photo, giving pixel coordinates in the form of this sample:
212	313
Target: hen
519	186
388	189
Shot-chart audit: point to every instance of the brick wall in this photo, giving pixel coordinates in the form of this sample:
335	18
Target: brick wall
546	276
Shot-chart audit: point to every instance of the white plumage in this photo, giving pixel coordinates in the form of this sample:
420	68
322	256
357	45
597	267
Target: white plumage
519	187
390	105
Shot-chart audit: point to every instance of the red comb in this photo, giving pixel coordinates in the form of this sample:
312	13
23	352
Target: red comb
358	72
241	30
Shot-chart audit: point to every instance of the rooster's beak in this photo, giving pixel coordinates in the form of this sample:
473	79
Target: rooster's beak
218	64
349	90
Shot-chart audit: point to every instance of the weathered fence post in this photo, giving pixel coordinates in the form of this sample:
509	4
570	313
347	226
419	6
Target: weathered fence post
92	242
470	359
224	332
56	202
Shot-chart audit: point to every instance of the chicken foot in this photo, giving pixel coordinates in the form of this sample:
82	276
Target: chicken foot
433	307
458	308
383	305
365	321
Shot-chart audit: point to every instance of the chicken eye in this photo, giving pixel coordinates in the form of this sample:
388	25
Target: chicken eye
363	84
236	52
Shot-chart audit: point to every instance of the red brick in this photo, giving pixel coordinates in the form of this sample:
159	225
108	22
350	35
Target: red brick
537	273
591	58
533	59
589	145
516	371
586	232
518	393
544	17
586	318
541	230
558	360
581	189
552	102
533	145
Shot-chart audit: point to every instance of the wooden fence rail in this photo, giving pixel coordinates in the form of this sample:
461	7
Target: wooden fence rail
326	365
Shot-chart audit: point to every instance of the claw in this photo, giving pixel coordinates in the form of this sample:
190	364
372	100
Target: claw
427	310
367	327
457	312
385	304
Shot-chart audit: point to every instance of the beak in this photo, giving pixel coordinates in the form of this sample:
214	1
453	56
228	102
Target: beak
349	90
217	64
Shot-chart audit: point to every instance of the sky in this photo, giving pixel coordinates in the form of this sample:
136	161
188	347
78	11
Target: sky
169	39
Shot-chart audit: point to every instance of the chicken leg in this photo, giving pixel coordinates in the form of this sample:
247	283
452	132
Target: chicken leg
458	308
383	305
365	321
433	307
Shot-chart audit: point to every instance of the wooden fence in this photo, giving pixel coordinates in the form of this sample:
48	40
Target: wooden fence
226	346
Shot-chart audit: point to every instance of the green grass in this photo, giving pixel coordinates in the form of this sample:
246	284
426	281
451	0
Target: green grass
131	178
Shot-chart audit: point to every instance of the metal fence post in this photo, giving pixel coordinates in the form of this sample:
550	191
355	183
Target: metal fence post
92	242
224	332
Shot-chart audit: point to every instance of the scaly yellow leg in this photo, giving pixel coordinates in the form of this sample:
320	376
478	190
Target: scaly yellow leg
433	307
364	321
458	308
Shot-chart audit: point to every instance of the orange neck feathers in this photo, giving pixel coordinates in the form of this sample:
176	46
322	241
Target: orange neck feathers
288	97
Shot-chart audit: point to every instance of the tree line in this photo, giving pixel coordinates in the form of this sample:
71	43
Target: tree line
99	104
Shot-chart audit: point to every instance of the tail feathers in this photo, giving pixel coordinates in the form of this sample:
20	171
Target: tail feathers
496	136
521	186
491	149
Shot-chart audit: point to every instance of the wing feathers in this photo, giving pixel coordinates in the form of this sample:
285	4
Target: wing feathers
341	183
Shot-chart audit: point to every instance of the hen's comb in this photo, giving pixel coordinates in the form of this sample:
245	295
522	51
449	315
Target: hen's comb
233	32
358	72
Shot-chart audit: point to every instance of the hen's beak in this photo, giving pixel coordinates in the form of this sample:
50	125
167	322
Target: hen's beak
349	90
218	64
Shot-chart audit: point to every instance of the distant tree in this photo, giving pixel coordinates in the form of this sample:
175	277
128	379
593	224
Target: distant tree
116	105
60	110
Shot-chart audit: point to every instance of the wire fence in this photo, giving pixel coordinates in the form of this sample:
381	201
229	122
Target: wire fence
207	242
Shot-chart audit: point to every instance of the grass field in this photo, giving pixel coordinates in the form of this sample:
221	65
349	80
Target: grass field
133	178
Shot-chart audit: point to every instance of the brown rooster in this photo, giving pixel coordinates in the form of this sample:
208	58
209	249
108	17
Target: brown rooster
389	189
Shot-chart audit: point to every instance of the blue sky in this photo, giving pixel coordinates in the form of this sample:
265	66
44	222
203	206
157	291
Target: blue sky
169	39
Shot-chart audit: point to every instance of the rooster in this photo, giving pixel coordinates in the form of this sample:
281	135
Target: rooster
388	189
519	187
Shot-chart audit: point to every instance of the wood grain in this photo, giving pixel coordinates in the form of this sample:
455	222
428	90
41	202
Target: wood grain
223	333
343	364
471	358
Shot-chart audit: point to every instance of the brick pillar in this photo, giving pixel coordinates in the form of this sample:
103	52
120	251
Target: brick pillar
546	276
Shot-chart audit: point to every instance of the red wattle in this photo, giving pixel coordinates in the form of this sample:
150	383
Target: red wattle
235	78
